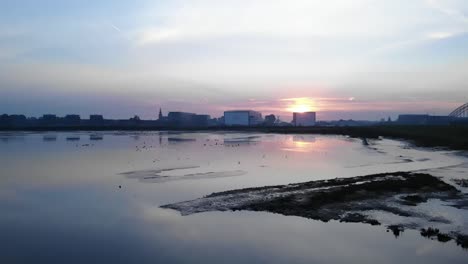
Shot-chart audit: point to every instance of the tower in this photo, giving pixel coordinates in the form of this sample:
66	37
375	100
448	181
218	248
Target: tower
160	114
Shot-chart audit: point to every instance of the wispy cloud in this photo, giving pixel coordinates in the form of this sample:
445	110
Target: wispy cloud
445	8
441	35
157	35
115	27
280	18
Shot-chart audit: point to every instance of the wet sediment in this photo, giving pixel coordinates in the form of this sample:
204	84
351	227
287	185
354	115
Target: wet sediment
348	200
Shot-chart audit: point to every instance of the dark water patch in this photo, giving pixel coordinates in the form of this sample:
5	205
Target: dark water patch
423	159
176	139
462	240
237	141
96	137
7	137
413	200
149	173
434	233
49	138
461	182
396	230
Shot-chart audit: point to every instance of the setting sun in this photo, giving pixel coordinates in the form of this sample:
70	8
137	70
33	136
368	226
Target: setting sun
300	108
300	105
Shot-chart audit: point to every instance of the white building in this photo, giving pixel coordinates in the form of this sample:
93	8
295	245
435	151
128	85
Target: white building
304	119
242	118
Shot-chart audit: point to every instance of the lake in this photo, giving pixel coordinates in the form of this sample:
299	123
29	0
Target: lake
95	197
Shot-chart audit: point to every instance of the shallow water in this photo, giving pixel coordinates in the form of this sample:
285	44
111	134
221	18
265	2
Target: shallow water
94	198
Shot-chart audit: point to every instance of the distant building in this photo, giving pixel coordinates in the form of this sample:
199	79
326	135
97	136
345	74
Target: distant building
13	120
202	120
304	119
96	118
72	119
180	118
4	120
242	118
49	119
135	118
270	120
425	120
413	119
183	119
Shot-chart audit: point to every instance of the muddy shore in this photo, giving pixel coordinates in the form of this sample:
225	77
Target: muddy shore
358	199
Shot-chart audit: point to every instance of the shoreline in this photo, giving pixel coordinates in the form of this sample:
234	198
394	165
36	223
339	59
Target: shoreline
451	137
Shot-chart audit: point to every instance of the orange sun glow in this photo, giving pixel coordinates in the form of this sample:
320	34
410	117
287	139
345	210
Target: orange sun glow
301	105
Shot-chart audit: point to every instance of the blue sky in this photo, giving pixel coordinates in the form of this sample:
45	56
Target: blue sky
361	59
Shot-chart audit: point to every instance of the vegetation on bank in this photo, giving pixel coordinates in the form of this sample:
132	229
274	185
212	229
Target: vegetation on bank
453	137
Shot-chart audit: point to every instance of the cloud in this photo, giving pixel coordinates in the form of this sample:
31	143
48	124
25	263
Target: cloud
441	35
451	11
280	18
155	35
115	27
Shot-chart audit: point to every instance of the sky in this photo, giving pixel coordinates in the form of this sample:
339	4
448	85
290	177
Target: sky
359	59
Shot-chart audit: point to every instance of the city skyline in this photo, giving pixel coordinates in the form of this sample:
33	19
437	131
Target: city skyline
361	60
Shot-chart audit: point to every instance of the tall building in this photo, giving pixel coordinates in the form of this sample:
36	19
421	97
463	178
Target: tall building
242	118
304	119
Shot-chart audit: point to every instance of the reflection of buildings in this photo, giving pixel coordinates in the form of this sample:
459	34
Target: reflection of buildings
49	138
96	137
240	141
73	138
304	119
242	118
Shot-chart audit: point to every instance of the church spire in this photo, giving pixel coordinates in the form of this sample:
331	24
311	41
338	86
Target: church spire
160	114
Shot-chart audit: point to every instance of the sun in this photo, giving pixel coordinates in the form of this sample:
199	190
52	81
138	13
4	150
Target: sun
300	108
301	105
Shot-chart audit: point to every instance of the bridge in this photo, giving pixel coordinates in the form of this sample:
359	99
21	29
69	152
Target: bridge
461	111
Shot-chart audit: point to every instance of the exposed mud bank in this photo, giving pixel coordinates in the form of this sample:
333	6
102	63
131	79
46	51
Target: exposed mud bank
157	176
363	199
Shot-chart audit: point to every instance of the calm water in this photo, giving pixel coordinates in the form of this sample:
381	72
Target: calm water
84	198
